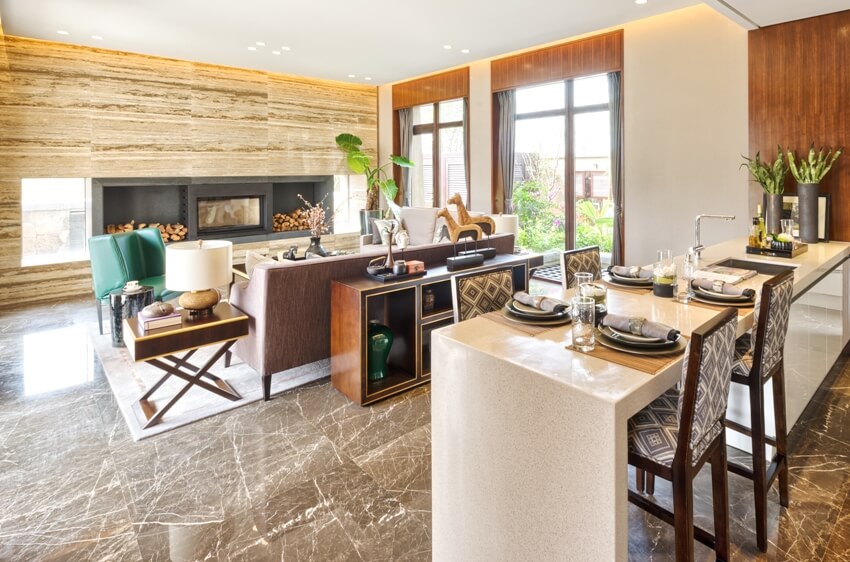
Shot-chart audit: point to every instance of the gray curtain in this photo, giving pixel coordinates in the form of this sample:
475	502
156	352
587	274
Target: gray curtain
616	165
405	129
507	137
466	146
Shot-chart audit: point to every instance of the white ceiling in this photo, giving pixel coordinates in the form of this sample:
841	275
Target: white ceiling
386	40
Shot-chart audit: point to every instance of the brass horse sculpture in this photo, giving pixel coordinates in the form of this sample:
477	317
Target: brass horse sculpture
487	225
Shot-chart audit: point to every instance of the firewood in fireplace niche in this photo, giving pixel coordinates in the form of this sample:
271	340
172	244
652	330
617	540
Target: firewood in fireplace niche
296	220
169	232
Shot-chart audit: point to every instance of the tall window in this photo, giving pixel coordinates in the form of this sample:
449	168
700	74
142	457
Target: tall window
55	220
562	165
438	145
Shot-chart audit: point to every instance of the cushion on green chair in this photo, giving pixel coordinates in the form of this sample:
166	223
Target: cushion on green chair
159	290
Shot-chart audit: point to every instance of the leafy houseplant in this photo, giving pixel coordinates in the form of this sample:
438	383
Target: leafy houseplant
771	177
376	176
809	172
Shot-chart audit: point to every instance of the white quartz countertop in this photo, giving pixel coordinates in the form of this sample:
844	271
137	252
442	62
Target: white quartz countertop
546	354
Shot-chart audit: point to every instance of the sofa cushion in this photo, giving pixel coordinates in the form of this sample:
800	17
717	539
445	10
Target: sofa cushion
252	259
386	229
375	230
419	222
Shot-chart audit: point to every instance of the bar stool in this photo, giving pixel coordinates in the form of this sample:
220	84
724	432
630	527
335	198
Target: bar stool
678	432
756	362
582	259
481	292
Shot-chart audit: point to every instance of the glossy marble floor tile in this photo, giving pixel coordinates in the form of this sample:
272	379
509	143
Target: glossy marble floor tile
307	476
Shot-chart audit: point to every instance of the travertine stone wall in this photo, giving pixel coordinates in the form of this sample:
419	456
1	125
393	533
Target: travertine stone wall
70	111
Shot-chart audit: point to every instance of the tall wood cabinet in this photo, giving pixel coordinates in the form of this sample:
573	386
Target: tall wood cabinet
400	306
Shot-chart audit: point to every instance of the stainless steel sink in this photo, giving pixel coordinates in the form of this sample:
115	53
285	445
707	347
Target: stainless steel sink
760	266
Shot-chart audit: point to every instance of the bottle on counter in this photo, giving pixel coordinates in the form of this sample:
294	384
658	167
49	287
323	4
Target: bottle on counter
763	240
753	241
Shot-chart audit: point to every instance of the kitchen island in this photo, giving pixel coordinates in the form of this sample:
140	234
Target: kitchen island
529	448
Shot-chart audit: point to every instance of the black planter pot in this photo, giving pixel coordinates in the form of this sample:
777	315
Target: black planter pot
773	213
807	194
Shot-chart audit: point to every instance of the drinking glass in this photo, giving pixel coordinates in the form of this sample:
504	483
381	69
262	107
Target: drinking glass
690	265
581	278
596	291
583	312
664	275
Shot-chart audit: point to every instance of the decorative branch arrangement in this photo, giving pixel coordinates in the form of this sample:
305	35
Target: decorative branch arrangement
315	216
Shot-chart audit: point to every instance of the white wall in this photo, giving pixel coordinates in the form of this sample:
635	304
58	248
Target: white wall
685	110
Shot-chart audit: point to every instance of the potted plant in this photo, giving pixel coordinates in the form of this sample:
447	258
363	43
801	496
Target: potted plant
377	179
771	178
809	173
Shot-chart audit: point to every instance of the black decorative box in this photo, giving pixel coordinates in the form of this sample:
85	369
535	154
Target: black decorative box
779	252
387	275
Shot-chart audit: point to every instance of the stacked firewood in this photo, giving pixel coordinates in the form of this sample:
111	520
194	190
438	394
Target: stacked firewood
296	220
169	232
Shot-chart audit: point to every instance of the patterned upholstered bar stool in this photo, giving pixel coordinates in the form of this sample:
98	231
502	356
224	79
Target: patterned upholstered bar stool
682	429
757	361
480	292
583	259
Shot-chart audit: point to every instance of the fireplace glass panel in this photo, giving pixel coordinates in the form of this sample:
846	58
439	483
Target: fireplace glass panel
226	213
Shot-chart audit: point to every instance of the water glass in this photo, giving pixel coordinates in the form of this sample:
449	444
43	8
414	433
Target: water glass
664	275
690	265
583	312
582	277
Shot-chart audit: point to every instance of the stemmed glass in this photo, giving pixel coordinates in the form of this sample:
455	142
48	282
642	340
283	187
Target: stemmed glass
690	265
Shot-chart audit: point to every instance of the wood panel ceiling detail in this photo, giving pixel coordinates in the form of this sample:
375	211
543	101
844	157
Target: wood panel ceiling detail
449	85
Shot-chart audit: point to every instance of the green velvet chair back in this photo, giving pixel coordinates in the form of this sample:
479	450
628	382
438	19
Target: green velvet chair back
118	258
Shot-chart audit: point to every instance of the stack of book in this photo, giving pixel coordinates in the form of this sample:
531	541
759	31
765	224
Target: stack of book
173	319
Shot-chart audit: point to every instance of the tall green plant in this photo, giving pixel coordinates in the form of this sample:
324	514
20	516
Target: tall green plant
377	179
815	167
771	177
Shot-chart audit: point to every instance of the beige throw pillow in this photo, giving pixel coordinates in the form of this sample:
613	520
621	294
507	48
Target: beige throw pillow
252	259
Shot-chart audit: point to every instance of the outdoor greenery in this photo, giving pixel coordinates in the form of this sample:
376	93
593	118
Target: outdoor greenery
813	169
771	177
542	220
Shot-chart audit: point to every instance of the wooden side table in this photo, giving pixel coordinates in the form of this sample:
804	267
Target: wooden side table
158	348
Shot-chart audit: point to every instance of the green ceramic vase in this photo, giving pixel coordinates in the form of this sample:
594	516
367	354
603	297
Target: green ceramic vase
380	343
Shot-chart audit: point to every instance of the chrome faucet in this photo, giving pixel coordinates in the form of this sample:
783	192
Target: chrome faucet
697	246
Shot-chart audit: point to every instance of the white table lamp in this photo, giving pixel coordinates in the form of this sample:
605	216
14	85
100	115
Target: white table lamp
197	268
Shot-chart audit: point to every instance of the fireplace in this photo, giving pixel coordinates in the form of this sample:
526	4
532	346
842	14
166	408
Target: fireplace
240	209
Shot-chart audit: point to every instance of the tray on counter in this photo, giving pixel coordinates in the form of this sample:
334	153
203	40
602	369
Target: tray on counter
387	275
779	253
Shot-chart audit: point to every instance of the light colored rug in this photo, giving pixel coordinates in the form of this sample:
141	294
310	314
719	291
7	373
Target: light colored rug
130	380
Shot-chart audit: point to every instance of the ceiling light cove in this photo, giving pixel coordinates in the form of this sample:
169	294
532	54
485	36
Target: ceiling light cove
447	47
97	37
260	44
62	32
640	2
252	48
352	76
465	51
367	78
285	48
275	52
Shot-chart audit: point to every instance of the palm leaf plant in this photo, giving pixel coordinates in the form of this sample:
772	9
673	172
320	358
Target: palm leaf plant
771	177
377	178
813	168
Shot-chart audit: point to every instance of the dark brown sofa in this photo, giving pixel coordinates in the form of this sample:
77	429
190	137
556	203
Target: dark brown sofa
289	305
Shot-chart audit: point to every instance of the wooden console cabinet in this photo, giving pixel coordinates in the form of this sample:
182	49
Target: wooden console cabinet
398	305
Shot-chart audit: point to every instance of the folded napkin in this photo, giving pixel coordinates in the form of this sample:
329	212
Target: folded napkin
541	303
723	288
715	276
640	326
633	271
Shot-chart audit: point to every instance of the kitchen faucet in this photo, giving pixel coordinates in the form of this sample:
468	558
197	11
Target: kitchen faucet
697	246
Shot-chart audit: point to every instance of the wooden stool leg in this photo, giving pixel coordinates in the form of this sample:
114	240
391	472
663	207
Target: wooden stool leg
759	469
650	483
683	510
781	431
720	501
639	479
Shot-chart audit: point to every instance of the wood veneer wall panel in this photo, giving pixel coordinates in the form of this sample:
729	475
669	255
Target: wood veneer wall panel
591	55
10	224
45	283
306	115
430	89
141	111
799	93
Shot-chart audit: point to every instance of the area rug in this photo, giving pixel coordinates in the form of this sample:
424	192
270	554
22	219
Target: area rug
130	380
547	273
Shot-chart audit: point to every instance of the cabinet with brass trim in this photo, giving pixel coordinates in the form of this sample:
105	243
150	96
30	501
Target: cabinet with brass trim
401	307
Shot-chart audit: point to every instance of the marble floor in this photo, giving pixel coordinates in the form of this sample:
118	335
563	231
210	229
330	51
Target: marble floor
306	476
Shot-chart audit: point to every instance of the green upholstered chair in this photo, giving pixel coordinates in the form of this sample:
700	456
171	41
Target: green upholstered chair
117	258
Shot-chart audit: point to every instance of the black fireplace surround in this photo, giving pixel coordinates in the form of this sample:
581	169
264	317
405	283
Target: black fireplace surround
176	200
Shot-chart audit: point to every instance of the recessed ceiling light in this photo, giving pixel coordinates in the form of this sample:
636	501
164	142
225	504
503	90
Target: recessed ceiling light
640	2
97	37
62	32
367	78
285	48
252	48
260	44
275	52
447	47
465	51
352	76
